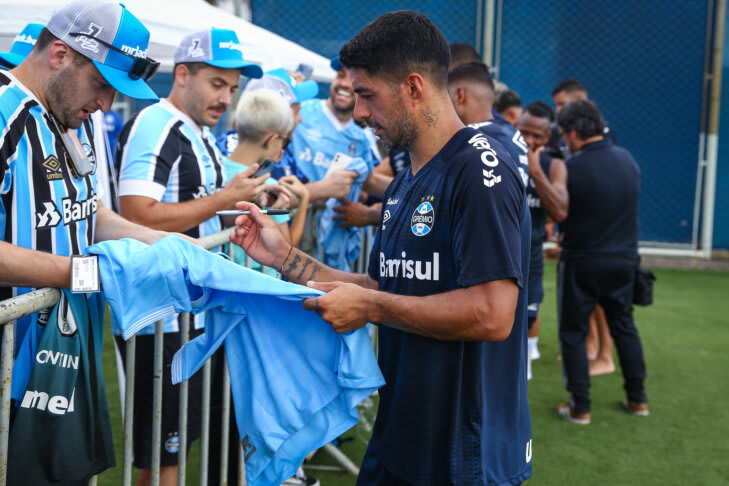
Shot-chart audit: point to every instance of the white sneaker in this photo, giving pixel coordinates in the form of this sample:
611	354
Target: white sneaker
301	479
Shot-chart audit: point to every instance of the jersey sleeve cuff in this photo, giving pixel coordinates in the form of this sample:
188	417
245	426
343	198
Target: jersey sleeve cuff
129	187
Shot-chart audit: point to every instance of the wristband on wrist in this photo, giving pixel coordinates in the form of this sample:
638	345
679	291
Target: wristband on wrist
281	270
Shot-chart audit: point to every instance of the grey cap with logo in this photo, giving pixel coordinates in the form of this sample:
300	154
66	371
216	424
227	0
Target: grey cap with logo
113	38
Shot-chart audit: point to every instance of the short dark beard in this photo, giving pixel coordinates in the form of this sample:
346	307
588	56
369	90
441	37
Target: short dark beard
403	126
60	89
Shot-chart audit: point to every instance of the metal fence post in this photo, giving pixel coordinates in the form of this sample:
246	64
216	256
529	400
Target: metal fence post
6	370
225	424
157	402
182	415
205	425
131	352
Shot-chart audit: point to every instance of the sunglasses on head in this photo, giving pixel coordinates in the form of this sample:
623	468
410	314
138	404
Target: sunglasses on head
142	67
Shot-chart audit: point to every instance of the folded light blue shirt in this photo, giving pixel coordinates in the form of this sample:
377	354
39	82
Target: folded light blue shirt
341	246
296	383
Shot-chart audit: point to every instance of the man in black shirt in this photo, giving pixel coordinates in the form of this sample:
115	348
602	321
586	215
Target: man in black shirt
599	257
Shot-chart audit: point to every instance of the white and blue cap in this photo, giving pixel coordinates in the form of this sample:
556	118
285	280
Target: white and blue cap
281	82
216	47
114	39
22	45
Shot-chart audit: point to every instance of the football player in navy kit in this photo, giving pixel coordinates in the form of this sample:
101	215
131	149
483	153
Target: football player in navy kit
452	316
547	196
472	92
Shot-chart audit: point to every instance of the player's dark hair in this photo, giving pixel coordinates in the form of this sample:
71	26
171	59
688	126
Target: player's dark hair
462	53
193	67
570	86
45	38
471	71
397	44
507	99
583	116
540	109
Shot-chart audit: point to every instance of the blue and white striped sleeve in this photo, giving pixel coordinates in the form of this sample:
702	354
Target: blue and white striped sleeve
149	155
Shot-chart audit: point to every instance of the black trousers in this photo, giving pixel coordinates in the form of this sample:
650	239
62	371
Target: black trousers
582	283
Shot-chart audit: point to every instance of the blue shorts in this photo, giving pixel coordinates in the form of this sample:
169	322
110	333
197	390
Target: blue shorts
535	290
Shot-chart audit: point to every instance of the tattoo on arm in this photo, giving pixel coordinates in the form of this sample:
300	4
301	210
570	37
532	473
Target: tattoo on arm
430	118
293	264
303	269
314	271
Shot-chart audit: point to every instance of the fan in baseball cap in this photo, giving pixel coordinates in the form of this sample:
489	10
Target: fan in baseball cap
280	81
114	39
216	47
22	45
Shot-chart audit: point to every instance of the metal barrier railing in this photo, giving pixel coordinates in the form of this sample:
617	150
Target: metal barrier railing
17	307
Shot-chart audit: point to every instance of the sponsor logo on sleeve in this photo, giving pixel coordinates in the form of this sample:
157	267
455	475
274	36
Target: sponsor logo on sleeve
488	158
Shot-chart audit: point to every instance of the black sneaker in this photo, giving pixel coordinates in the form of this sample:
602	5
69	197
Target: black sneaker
301	479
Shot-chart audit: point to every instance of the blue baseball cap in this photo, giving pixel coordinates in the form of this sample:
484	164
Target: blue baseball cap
114	39
280	81
335	64
216	47
22	45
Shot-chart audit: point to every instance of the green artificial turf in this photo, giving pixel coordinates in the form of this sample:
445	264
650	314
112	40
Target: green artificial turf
685	439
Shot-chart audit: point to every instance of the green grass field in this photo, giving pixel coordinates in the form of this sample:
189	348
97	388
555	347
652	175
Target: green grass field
683	442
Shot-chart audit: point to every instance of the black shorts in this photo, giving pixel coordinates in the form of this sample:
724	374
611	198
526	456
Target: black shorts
143	396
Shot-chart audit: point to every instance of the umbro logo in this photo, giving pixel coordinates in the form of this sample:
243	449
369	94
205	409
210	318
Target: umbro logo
53	168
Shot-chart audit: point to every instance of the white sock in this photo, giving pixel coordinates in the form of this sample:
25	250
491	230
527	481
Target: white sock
532	347
529	368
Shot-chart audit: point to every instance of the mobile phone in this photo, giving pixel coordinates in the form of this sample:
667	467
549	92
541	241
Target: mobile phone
340	161
305	70
264	168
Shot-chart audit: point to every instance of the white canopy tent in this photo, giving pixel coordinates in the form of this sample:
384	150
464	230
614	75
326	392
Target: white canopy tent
169	21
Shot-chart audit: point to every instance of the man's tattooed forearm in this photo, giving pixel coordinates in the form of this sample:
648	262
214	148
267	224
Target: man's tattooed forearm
293	264
314	271
303	269
431	119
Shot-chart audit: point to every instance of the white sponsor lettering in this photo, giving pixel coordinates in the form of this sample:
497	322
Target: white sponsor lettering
488	157
57	405
134	51
78	210
88	44
391	202
233	46
529	451
25	39
409	269
56	358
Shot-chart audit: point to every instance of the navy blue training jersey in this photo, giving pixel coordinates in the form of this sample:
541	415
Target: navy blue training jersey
511	139
454	412
536	208
603	181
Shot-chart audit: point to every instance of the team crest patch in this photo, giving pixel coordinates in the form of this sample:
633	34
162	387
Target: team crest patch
91	156
423	218
172	444
53	168
67	324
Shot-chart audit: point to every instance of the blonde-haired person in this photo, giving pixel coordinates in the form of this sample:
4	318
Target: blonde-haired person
264	121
